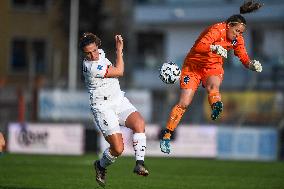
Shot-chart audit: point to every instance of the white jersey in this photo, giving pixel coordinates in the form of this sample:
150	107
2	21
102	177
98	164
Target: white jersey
97	84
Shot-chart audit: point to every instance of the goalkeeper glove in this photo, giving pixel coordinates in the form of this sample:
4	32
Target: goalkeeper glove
255	65
218	49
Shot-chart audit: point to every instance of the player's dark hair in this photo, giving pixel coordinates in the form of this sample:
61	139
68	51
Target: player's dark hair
88	38
248	7
237	18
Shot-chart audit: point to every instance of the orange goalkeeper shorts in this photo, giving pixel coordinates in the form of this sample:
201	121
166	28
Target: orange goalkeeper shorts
192	75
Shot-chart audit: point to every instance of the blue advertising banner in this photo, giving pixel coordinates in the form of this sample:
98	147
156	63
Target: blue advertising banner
247	143
64	105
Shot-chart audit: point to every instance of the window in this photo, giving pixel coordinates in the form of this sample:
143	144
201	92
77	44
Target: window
150	49
27	55
20	3
38	51
19	60
30	4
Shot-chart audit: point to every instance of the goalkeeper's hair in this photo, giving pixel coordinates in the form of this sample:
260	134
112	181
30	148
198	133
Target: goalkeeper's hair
88	38
248	7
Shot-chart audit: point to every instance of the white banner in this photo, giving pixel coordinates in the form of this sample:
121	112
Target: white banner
64	139
142	100
190	141
196	141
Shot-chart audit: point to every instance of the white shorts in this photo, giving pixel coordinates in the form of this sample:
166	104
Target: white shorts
110	114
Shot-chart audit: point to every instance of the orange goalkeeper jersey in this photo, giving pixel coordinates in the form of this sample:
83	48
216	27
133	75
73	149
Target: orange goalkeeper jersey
201	54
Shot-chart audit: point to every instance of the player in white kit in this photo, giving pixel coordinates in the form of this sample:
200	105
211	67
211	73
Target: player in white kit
109	106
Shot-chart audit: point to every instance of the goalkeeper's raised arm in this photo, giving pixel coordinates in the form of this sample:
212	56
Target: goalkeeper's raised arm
240	51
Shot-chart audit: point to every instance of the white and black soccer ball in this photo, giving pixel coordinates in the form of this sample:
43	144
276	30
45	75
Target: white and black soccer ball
169	73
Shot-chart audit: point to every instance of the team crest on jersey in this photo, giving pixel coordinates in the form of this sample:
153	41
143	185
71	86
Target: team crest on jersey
234	42
100	67
186	79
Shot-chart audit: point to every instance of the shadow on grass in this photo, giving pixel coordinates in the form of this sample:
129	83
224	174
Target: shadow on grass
16	187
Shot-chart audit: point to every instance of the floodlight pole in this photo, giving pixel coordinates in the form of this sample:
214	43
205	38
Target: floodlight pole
73	39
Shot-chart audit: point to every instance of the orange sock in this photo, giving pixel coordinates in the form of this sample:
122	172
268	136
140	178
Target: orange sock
174	119
214	96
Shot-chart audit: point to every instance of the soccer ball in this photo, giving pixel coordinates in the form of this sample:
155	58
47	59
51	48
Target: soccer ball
169	72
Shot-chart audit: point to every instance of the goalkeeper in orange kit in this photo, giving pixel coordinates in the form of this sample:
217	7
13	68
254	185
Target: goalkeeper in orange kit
204	63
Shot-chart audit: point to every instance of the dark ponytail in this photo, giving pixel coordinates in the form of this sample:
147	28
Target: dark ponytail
248	7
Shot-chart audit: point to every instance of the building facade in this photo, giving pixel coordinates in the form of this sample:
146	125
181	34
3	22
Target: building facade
34	45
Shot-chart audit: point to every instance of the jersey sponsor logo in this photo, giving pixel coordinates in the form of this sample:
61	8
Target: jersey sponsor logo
186	79
100	67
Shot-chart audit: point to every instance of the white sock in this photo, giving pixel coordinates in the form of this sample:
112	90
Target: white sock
107	159
139	145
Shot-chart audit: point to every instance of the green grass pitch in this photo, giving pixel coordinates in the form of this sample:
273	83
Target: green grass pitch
68	172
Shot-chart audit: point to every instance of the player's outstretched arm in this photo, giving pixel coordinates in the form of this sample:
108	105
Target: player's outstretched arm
255	65
118	69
